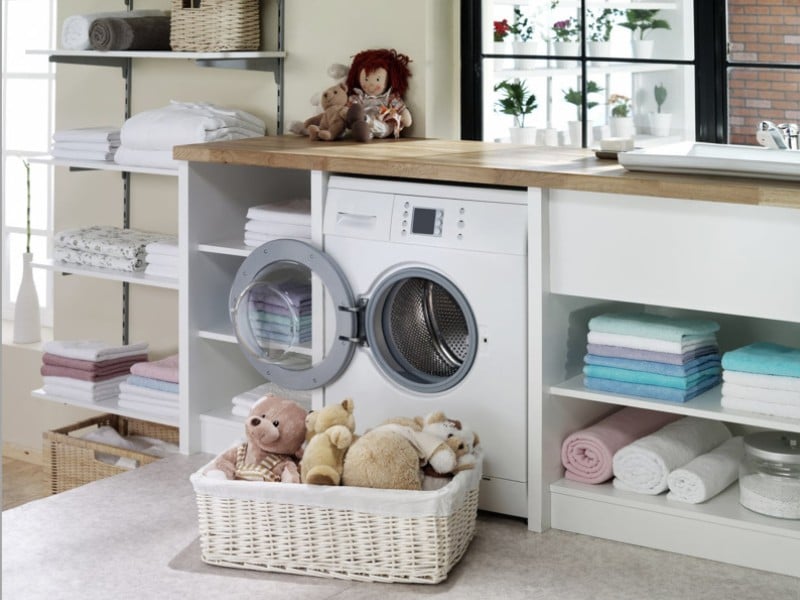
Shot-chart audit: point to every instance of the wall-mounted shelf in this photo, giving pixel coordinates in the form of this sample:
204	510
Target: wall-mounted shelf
102	165
110	406
109	274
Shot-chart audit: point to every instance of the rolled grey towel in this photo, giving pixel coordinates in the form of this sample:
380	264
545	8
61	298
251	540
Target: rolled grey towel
134	33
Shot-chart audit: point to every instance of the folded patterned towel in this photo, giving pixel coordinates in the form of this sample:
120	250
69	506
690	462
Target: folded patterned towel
644	377
130	33
760	394
75	30
765	358
102	134
587	454
644	465
757	380
155	384
165	369
653	326
657	392
95	259
92	365
109	240
691	367
760	407
93	349
296	211
707	475
643	343
272	228
651	356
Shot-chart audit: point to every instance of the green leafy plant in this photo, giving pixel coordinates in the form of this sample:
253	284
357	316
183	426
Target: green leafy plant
620	105
567	30
520	27
517	100
28	209
600	25
643	20
576	97
660	93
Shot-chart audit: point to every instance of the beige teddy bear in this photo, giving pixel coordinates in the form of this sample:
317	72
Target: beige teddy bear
330	434
330	123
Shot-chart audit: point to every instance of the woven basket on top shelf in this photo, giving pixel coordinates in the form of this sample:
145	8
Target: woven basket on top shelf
70	461
215	25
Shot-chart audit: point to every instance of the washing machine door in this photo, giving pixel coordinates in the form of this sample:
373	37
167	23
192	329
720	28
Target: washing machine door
270	306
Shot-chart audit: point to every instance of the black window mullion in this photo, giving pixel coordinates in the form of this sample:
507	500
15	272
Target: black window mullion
471	71
711	82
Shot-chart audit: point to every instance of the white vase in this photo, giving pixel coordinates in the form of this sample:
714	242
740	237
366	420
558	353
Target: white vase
622	127
566	49
26	311
642	48
522	135
525	49
660	124
599	50
575	133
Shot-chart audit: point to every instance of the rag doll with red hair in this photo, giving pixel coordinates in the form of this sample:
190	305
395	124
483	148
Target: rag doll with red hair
376	83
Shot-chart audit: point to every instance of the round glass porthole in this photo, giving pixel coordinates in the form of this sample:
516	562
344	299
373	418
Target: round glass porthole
421	330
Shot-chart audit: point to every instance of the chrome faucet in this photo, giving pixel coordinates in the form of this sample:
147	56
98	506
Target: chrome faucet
781	137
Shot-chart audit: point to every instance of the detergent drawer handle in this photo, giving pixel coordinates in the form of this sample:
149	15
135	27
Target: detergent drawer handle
349	219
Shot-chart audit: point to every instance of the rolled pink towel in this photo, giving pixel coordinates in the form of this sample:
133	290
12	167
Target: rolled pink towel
588	454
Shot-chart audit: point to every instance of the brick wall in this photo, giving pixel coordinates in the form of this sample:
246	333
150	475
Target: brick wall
766	31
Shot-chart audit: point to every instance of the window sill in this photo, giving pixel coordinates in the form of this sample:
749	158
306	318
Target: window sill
8	336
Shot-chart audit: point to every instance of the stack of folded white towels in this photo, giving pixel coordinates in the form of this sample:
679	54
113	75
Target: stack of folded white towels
242	403
88	370
162	259
152	387
762	378
86	143
290	219
106	246
147	138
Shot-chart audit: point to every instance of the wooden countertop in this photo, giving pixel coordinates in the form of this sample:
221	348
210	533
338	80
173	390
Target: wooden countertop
486	163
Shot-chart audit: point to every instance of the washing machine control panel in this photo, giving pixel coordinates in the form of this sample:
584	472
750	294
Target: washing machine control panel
426	221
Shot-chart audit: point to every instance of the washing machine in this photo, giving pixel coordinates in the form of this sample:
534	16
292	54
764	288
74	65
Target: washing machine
416	302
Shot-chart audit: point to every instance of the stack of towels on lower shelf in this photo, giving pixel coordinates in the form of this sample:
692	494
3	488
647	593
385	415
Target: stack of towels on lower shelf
280	314
649	452
147	137
106	246
152	387
291	219
653	356
243	402
76	30
162	259
88	370
86	143
762	378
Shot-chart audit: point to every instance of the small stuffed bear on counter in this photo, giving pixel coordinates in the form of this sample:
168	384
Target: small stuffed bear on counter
330	123
275	432
330	434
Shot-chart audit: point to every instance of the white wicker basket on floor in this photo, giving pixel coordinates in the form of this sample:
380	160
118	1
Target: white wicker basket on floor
215	25
338	532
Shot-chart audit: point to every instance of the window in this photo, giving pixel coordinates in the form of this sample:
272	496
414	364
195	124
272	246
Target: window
28	114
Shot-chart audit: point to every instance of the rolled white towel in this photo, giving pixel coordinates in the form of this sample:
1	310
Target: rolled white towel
644	465
75	30
707	475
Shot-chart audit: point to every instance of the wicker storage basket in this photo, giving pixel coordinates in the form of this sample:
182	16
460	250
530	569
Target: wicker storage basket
70	461
337	532
215	25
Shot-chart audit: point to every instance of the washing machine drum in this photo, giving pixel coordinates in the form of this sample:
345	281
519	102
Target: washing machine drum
417	324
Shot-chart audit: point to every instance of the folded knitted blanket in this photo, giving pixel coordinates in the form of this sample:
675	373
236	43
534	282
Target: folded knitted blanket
130	33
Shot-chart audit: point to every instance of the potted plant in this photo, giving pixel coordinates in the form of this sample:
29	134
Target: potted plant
500	31
576	97
518	102
640	21
522	31
566	40
621	121
659	120
26	310
599	28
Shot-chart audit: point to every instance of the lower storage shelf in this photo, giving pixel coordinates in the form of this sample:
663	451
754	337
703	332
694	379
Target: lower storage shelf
720	529
109	406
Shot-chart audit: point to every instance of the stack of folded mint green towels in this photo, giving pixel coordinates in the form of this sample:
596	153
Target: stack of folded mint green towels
654	356
762	378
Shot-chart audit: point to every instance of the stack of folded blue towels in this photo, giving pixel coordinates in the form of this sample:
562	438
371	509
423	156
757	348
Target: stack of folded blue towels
640	354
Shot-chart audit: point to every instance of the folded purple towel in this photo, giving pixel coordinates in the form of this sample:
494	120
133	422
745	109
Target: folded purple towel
650	355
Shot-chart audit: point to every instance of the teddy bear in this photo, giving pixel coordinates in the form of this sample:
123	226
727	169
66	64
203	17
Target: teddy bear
330	434
275	430
392	455
330	123
461	439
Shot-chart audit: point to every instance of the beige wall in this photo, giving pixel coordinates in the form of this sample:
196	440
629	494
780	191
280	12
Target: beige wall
317	34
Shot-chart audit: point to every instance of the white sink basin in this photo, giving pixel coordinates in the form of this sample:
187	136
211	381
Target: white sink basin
715	159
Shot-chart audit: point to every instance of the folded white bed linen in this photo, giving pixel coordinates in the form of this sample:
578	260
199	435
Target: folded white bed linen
644	465
102	133
146	392
82	384
87	146
165	248
285	229
226	113
104	155
296	211
760	407
145	408
652	344
158	159
761	394
759	380
162	271
71	393
707	475
75	30
165	260
144	401
94	350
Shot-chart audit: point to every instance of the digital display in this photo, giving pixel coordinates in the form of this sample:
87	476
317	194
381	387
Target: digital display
423	221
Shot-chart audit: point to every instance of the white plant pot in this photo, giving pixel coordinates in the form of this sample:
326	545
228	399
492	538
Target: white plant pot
524	48
522	135
599	50
622	127
566	49
660	124
575	133
27	329
642	48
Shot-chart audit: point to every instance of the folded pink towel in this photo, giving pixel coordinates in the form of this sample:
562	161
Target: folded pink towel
58	371
588	454
165	369
90	365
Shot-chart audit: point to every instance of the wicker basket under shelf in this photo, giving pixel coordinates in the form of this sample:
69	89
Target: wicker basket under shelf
69	461
391	536
215	25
